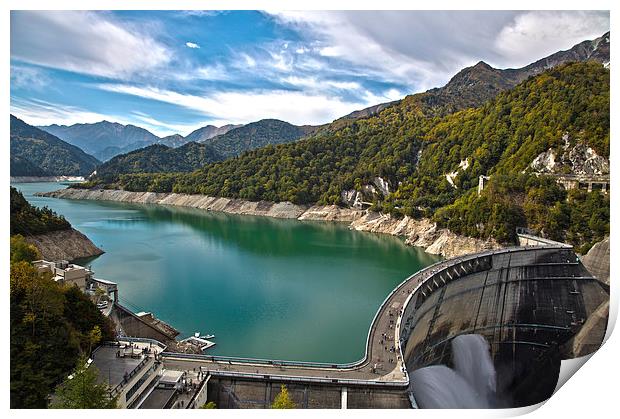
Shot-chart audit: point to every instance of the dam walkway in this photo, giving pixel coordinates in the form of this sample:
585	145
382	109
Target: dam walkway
382	365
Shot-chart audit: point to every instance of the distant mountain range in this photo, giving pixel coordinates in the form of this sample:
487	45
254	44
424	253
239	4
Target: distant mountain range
210	131
35	152
105	140
160	158
471	87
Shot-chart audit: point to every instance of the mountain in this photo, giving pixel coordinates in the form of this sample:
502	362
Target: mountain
407	162
175	140
475	85
22	167
35	152
103	139
210	131
158	158
255	135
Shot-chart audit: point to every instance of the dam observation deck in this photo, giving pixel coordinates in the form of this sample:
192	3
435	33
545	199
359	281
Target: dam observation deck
523	300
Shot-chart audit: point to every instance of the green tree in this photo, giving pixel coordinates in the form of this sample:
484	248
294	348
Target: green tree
81	391
283	400
209	405
23	251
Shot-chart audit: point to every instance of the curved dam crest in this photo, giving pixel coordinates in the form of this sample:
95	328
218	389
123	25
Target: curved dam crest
266	287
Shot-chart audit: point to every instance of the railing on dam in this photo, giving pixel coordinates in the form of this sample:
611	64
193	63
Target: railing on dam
419	287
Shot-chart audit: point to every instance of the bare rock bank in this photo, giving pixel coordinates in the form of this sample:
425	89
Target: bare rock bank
64	245
423	233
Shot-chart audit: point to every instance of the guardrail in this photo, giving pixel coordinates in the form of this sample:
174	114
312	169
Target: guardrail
353	365
144	340
459	260
132	373
305	379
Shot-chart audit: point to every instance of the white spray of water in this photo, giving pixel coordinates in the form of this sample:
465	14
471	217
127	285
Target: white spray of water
471	384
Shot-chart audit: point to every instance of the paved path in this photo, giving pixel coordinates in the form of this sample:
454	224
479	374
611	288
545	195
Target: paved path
382	364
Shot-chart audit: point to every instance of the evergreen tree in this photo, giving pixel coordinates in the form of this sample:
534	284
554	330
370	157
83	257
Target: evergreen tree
81	391
283	400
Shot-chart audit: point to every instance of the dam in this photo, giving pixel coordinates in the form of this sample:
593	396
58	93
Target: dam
527	303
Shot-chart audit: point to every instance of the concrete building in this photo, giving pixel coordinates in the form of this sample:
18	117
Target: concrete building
128	369
133	370
65	272
71	274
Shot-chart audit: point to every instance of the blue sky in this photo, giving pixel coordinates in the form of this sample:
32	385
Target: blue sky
174	71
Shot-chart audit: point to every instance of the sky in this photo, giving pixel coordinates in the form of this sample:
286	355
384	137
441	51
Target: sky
175	71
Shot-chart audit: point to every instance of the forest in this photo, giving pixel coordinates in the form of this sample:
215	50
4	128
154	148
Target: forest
28	220
47	319
413	146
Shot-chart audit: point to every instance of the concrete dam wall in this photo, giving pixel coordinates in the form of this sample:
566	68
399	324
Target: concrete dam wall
526	303
512	314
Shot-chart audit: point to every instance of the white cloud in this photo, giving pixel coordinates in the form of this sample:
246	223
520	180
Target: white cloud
243	107
423	49
84	42
39	112
28	77
534	35
249	61
316	84
192	45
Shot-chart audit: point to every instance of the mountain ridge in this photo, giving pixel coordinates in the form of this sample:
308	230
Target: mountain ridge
35	152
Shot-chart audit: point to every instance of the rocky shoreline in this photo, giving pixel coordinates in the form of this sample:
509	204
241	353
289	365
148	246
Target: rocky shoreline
422	233
64	245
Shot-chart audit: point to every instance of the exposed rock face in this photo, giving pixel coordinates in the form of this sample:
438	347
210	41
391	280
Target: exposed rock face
423	233
596	261
578	160
351	198
382	185
64	245
331	213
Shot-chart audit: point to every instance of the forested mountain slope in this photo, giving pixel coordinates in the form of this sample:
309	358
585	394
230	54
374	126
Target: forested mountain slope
159	158
35	152
255	135
412	152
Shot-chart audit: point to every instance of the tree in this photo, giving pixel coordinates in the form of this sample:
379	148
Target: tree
209	405
94	337
283	400
23	251
81	391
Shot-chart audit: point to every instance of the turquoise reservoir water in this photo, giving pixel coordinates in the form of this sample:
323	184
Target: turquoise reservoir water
266	288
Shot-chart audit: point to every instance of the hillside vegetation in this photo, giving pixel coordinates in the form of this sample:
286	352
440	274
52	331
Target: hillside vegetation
51	325
255	135
28	220
159	158
413	149
35	152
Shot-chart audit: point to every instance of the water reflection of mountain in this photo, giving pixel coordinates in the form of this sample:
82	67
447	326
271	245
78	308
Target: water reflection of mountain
270	236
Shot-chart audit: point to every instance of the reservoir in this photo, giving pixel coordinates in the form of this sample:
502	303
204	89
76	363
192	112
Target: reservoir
267	288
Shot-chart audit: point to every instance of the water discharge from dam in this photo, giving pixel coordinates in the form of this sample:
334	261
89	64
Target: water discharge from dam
470	384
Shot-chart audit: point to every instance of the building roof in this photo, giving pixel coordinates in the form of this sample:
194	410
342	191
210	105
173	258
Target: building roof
111	368
158	399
